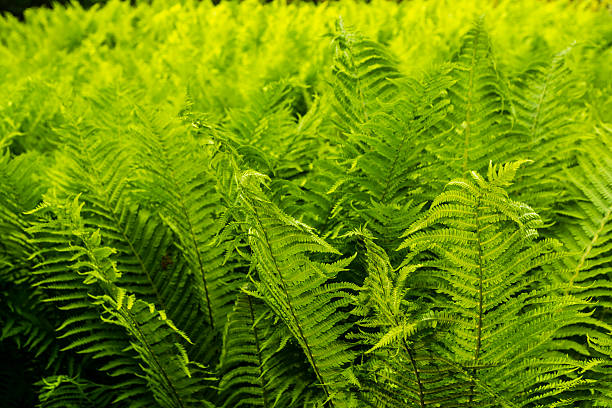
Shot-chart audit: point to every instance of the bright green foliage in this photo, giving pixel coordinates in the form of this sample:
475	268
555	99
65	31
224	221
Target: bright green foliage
481	248
347	205
297	288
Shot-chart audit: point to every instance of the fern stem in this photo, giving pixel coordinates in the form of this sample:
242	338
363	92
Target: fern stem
259	359
416	374
480	300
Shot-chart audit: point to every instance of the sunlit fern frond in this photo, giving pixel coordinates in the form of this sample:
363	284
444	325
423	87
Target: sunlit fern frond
299	287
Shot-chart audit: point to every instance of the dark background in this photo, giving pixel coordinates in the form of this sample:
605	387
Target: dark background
17	7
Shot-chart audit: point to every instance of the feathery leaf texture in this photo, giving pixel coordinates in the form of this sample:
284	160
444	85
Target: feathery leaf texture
257	206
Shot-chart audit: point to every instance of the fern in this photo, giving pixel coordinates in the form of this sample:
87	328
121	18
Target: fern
585	230
247	204
188	203
480	116
406	369
297	288
63	391
482	247
149	334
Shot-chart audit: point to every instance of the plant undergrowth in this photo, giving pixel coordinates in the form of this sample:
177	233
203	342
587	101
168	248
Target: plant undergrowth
288	205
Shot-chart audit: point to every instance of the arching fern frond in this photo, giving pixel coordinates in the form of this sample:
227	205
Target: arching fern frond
186	197
483	249
100	170
66	392
298	288
172	379
145	353
480	108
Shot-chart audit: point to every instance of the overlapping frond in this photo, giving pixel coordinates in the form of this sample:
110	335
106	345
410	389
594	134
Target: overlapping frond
363	78
544	108
480	108
19	192
585	228
186	197
67	282
299	288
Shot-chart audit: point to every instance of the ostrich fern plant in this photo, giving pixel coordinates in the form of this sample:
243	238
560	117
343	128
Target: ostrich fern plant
366	219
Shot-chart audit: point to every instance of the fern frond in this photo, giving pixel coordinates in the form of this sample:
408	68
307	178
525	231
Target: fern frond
298	288
544	110
405	368
66	392
172	379
147	341
483	248
602	344
585	227
385	147
68	282
363	73
188	202
479	112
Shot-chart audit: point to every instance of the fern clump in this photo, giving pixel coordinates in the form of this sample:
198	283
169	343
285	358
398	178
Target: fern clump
346	205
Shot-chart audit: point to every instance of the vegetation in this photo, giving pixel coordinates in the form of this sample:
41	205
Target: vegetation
342	205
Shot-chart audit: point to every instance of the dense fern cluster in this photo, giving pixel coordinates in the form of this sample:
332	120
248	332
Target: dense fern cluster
346	205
